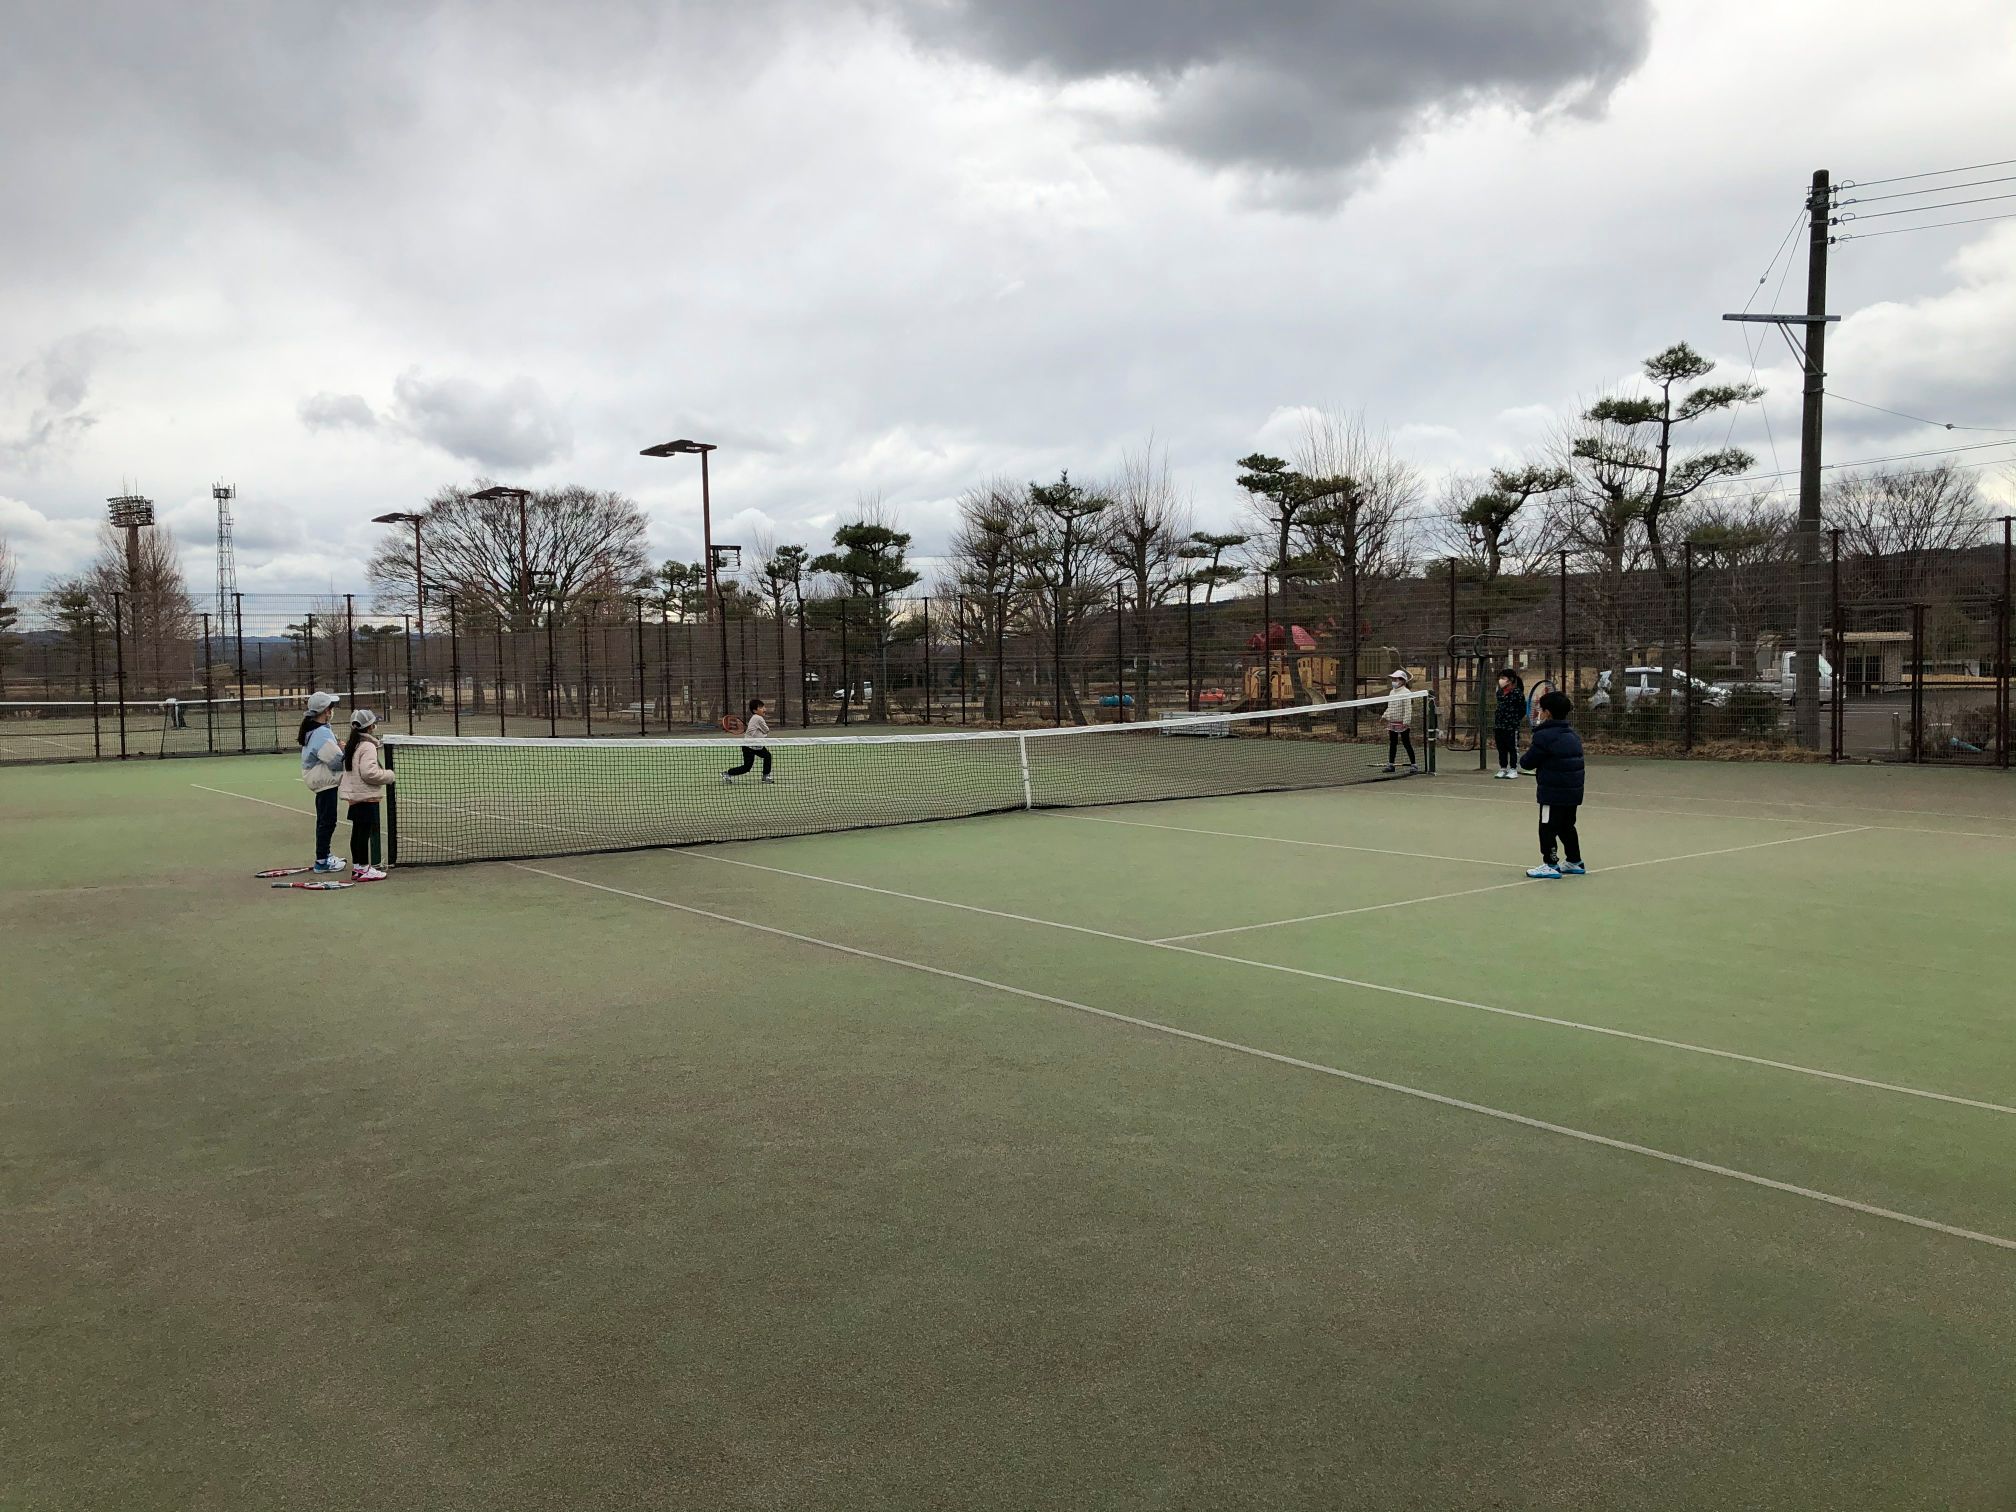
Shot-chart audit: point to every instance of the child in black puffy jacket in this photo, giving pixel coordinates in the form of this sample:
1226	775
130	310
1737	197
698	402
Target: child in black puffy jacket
1506	719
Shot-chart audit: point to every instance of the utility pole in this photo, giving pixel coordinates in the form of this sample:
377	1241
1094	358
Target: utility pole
1813	356
1806	648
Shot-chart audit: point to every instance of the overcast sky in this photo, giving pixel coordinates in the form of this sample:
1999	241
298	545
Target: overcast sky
341	255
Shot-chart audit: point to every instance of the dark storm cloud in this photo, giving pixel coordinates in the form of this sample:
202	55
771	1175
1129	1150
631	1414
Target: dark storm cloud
1304	85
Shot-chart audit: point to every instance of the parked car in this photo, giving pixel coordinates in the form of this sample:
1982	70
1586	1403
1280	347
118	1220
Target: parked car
1651	682
1776	677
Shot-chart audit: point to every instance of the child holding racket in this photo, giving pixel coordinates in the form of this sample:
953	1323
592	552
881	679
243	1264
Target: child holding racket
1555	759
363	785
755	734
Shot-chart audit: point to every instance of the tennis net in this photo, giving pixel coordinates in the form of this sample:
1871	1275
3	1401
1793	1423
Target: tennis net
497	799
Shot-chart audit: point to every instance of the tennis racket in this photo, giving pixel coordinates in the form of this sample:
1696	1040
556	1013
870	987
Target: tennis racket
1534	694
731	724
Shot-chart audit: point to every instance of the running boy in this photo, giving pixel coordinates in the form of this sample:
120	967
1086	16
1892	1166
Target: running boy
1506	718
755	734
1555	758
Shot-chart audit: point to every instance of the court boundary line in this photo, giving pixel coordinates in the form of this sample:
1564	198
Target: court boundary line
1730	850
1627	808
1442	1099
1184	829
1768	1063
1381	987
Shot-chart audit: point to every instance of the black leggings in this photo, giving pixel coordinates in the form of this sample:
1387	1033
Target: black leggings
1396	739
1557	822
1508	747
750	755
325	822
364	850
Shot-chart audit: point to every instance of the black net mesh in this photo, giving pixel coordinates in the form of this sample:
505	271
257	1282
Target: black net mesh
491	799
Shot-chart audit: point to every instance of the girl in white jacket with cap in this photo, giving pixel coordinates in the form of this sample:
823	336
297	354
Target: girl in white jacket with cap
1399	723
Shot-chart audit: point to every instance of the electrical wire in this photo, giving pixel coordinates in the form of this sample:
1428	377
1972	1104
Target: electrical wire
1935	173
1972	220
1870	199
1993	430
1937	451
1789	491
1985	199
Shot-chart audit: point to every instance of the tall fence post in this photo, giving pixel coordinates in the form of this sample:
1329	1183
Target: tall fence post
552	680
804	674
927	658
209	701
454	668
1917	682
1189	649
2002	676
308	626
238	625
502	685
350	645
1687	644
846	671
119	662
587	681
406	638
642	706
959	630
91	628
1119	655
1567	679
1836	723
1001	659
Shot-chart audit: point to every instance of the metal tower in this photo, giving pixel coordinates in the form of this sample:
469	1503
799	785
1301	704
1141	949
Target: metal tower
227	561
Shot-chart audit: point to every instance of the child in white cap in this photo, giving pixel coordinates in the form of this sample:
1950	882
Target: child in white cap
1399	722
365	779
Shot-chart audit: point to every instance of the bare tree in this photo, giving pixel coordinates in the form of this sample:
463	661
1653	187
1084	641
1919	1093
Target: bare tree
580	542
159	616
1067	558
1746	552
1898	526
1145	531
983	570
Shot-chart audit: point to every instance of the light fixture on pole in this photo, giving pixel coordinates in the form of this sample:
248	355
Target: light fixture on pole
398	517
700	449
522	578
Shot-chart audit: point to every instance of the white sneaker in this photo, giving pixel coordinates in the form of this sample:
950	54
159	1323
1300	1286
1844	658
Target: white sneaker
726	780
331	864
772	781
367	874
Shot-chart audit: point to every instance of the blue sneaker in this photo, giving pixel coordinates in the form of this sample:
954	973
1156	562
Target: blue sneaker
1543	872
1574	869
330	864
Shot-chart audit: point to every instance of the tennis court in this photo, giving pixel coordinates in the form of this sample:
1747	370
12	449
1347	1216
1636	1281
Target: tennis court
1275	1150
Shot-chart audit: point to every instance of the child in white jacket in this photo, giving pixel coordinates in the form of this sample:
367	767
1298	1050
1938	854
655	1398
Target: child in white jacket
365	779
1399	723
321	769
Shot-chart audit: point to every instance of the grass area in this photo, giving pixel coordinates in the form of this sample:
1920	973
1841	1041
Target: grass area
1027	1160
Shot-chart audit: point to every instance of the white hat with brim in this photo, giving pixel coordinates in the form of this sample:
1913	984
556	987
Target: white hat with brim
317	702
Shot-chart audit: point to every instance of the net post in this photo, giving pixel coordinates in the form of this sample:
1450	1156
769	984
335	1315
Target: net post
1431	728
391	812
1022	752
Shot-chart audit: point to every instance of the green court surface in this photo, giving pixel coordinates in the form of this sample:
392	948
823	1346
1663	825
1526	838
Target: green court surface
1271	1152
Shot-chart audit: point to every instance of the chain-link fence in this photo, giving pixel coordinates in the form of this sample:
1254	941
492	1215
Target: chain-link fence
1698	658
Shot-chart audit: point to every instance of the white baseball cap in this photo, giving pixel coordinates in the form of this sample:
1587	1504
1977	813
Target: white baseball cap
317	702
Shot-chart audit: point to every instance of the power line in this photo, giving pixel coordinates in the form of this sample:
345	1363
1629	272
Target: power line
1842	220
1973	220
1940	451
1788	492
1998	430
1935	173
1870	199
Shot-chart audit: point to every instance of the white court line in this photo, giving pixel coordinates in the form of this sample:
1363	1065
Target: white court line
1381	987
1439	1098
1626	808
1727	850
1320	976
1182	829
